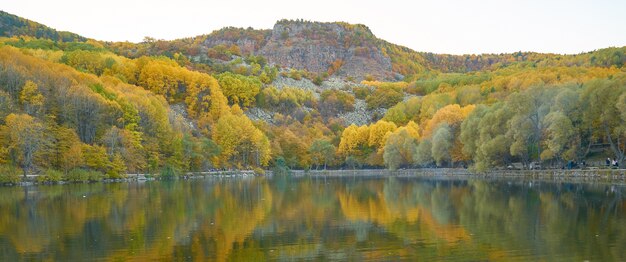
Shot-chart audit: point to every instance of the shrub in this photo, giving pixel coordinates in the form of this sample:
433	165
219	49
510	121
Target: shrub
169	172
76	175
50	176
384	98
9	174
361	92
280	167
259	171
333	102
82	175
93	175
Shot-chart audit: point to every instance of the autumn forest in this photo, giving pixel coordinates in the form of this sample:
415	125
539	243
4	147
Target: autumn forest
76	109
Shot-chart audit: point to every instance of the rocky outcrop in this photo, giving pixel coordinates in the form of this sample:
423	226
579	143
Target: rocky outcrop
361	116
258	114
249	40
317	47
246	45
343	49
303	83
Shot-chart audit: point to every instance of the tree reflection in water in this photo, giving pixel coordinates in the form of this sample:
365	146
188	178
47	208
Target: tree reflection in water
309	218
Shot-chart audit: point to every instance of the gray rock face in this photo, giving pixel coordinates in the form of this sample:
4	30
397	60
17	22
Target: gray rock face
247	46
179	119
258	114
303	83
360	116
312	46
338	83
316	46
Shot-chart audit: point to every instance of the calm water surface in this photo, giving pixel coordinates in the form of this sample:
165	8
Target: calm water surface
314	219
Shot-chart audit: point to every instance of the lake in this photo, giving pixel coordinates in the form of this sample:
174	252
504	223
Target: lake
281	218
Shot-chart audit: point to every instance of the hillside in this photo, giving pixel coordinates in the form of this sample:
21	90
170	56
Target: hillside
12	25
323	49
292	97
348	51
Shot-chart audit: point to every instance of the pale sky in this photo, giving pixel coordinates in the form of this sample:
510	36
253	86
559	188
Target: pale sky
443	26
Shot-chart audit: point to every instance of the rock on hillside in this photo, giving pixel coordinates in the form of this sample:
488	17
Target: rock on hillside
361	115
317	46
248	40
350	50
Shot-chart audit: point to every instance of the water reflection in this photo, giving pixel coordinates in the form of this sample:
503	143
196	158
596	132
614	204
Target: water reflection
330	219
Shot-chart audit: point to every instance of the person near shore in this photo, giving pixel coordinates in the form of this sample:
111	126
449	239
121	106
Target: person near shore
608	161
615	163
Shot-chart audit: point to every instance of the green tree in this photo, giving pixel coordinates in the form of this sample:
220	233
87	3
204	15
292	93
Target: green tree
442	144
526	124
605	120
423	153
561	141
399	149
322	152
384	97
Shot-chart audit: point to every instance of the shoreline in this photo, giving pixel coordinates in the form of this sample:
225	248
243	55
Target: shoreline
31	180
610	176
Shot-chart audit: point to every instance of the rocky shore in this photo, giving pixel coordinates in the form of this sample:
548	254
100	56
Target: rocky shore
610	176
32	179
614	176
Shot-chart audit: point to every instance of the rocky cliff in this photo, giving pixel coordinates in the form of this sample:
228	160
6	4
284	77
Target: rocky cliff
337	48
318	47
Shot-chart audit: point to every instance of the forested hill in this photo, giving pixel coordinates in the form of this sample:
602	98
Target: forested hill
12	25
301	95
320	49
348	50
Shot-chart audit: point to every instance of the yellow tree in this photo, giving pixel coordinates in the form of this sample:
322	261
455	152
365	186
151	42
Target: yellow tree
95	157
128	146
31	98
24	137
413	130
241	143
378	133
354	143
452	116
67	151
349	141
239	89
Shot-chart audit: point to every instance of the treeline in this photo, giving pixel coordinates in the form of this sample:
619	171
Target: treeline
209	51
486	120
78	110
55	118
13	25
191	121
543	123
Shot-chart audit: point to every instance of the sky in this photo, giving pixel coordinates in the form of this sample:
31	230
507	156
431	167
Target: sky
438	26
